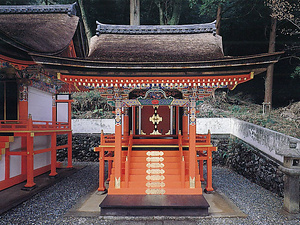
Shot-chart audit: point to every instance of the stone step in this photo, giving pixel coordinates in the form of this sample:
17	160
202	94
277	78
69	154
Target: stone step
154	205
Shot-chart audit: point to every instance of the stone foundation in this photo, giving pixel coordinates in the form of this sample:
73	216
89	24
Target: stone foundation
249	162
83	147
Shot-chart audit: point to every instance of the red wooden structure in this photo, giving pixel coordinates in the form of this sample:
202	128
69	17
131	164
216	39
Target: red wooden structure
155	76
31	103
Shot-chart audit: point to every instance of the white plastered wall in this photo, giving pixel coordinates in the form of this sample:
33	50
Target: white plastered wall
15	160
39	104
43	159
2	168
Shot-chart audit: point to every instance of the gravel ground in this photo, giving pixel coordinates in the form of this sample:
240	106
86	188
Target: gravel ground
49	206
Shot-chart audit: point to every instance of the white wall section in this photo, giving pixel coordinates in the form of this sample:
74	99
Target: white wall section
39	104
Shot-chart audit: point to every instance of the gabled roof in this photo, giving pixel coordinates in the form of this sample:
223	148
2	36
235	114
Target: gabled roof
30	9
156	29
145	43
44	29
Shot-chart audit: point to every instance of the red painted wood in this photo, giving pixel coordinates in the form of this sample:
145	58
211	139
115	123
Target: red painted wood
164	126
147	126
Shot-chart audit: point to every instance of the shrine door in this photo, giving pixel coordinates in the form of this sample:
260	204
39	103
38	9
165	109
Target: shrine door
155	120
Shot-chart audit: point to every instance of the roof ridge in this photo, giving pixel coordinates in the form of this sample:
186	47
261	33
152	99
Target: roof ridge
32	9
155	29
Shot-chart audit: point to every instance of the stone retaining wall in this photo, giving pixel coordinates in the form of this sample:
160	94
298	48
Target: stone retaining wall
249	162
83	147
251	150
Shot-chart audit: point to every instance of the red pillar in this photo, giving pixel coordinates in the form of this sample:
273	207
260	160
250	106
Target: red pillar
192	143
118	144
185	123
70	135
201	170
101	170
53	155
30	158
7	164
209	171
133	119
126	123
54	109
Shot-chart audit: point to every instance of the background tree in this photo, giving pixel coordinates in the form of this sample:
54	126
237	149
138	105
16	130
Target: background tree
244	25
283	11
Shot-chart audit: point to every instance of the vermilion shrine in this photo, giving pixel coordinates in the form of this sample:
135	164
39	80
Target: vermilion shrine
155	77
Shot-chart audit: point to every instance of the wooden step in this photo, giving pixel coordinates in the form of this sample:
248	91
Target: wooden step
156	191
154	205
167	177
165	153
144	165
143	184
143	171
153	159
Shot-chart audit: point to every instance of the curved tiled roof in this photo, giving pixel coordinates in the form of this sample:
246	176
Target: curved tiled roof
27	9
156	29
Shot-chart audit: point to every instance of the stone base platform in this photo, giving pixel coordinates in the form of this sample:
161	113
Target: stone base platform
154	205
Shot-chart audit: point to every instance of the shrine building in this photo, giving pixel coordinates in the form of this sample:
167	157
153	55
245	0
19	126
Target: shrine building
32	110
154	76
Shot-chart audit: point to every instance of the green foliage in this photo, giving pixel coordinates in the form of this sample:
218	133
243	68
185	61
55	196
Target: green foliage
235	108
296	72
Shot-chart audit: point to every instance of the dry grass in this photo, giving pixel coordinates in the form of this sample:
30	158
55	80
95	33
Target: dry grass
285	120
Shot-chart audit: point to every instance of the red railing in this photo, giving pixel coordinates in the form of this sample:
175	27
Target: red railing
32	125
127	161
182	160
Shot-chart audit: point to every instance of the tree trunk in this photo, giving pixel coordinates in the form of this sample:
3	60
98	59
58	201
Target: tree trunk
267	105
218	20
175	13
85	22
160	12
134	12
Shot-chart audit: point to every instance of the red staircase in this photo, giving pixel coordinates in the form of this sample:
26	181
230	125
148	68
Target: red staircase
155	177
155	172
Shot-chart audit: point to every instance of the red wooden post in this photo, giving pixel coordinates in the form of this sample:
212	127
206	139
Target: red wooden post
30	153
209	170
70	134
7	164
177	120
192	143
133	119
118	143
101	170
126	172
201	170
53	155
185	123
126	123
54	110
109	169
